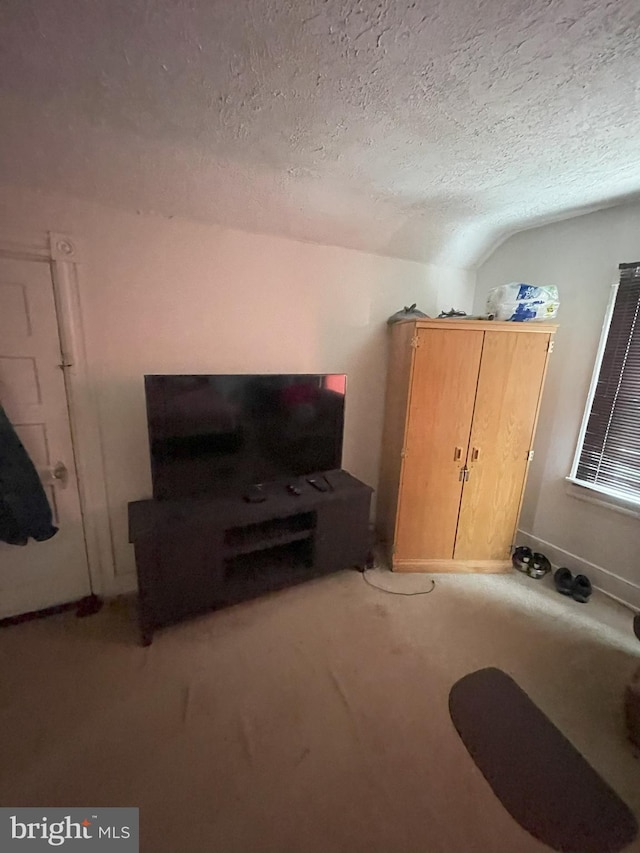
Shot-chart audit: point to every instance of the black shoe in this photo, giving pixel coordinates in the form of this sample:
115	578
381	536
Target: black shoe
539	566
581	589
563	579
521	558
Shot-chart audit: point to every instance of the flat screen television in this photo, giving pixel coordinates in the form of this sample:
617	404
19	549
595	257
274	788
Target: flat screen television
211	435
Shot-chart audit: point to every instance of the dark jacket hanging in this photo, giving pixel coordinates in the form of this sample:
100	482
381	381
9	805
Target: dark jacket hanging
24	508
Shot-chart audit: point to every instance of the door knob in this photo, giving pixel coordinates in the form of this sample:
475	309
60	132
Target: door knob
55	475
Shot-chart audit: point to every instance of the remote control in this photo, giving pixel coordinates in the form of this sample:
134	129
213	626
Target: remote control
293	490
318	484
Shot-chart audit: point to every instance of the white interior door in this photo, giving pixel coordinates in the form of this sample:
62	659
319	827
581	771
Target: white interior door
32	392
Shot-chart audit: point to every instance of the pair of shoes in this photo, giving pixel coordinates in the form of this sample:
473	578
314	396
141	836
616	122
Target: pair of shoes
579	588
531	563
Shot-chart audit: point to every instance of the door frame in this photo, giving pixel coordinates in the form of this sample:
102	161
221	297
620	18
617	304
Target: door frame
63	254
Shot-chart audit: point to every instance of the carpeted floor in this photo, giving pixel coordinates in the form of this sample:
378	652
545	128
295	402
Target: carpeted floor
311	721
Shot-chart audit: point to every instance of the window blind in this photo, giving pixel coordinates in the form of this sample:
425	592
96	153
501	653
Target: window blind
610	455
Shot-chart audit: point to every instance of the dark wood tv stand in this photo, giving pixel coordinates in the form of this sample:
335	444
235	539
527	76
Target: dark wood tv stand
199	554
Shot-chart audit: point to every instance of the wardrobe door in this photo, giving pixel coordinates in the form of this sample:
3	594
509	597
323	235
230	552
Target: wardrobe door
509	387
443	388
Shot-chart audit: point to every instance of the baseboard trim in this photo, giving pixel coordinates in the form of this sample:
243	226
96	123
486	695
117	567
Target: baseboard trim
622	590
444	565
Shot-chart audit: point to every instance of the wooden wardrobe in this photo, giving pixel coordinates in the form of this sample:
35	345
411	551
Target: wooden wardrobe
461	408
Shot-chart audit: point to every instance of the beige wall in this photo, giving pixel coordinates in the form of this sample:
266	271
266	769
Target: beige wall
163	295
581	257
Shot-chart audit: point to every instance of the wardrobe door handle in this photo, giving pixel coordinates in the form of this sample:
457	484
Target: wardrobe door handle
457	453
474	454
55	475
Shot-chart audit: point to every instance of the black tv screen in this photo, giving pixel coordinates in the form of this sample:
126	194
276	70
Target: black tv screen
210	435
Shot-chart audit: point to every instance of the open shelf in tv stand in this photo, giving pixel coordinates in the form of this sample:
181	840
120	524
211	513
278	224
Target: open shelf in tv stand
201	554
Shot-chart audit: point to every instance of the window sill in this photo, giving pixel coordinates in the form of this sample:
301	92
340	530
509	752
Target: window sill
592	495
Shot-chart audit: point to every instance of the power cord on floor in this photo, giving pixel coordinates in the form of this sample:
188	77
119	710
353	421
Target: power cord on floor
395	592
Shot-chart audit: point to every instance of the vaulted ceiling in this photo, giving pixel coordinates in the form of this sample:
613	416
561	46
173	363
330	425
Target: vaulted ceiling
424	129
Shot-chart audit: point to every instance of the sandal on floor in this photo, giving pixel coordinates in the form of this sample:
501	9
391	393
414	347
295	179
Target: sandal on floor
581	589
563	579
521	558
539	566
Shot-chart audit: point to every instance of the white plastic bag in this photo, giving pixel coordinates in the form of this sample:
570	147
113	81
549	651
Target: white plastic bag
518	302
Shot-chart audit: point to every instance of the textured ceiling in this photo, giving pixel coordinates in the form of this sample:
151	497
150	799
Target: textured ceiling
427	130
